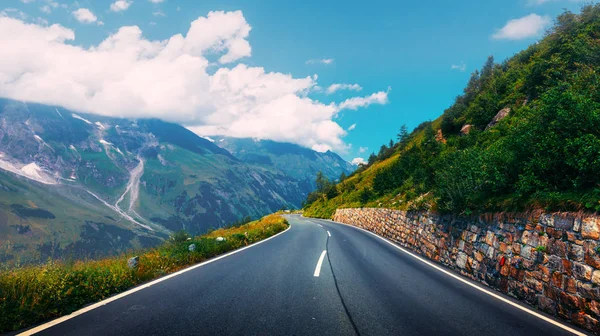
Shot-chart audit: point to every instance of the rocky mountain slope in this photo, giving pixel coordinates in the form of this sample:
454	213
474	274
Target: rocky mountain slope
296	161
75	185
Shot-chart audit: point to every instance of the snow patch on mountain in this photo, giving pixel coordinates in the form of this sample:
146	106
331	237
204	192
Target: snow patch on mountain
31	171
81	118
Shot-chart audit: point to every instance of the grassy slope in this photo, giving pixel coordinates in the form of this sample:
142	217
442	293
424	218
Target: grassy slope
542	155
33	294
27	238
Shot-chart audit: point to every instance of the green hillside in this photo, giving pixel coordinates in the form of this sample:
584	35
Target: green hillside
524	134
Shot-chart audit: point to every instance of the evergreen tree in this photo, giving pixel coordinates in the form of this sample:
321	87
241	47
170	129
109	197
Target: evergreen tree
372	158
403	135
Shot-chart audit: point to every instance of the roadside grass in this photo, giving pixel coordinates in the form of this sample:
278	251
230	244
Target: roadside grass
33	294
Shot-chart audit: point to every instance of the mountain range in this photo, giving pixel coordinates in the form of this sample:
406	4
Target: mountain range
76	185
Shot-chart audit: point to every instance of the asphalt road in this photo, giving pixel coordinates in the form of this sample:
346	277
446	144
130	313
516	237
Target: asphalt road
364	286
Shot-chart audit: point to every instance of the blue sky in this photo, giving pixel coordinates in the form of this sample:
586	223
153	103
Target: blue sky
402	49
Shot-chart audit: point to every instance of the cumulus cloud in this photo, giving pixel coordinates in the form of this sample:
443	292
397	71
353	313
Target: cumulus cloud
358	161
352	127
84	15
127	75
336	87
325	61
528	26
355	103
120	5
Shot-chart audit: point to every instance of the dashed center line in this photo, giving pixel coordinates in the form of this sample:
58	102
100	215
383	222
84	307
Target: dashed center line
329	233
320	263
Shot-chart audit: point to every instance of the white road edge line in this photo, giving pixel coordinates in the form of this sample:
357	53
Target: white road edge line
319	263
139	288
494	295
329	233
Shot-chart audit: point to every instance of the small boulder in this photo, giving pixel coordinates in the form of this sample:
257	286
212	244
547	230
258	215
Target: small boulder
499	116
220	239
439	136
192	247
466	129
133	262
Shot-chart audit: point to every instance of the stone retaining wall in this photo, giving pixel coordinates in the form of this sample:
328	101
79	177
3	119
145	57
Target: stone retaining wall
550	260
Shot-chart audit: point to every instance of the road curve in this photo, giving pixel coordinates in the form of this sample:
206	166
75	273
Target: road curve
318	278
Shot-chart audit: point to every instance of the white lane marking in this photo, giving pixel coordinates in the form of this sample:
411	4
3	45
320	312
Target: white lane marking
319	263
139	288
494	295
320	225
329	233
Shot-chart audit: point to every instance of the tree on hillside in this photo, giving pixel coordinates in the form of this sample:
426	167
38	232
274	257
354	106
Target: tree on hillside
322	182
372	159
403	135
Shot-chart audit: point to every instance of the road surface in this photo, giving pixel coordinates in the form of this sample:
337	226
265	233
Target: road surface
317	278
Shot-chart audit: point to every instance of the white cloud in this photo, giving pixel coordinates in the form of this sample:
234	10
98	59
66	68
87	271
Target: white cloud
156	1
358	161
159	13
14	13
363	149
355	103
46	9
352	127
528	26
462	67
336	87
322	148
84	15
27	1
120	5
127	75
325	61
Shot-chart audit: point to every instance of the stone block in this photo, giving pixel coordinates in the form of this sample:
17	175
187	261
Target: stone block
546	304
557	247
576	252
589	228
557	280
596	277
571	285
582	271
461	260
572	301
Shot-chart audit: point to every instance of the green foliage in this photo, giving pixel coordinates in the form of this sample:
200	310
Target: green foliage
33	294
365	195
179	237
540	248
544	154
